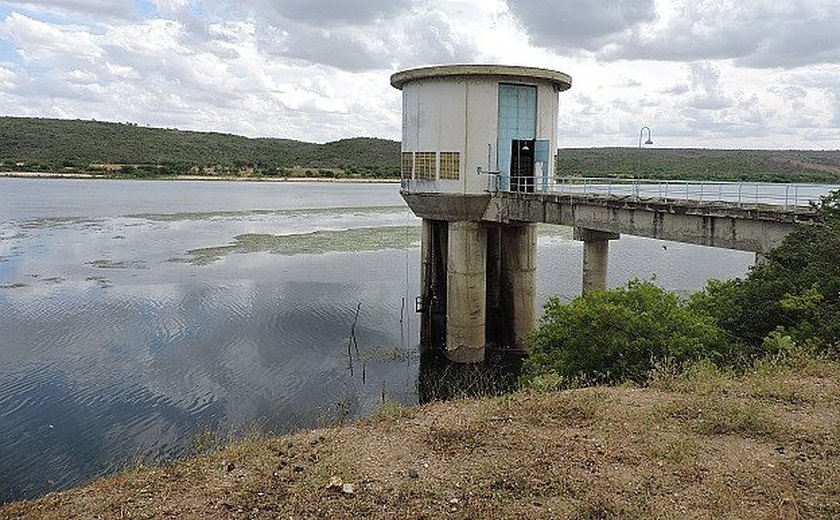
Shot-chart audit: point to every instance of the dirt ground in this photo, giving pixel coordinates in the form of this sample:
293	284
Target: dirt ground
702	444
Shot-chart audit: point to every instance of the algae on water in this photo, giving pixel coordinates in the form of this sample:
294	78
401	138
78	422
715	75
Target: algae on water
317	242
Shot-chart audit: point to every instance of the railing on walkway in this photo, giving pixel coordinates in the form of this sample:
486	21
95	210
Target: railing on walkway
738	193
742	194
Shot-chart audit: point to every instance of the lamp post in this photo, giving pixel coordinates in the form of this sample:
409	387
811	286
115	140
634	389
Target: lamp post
641	133
649	141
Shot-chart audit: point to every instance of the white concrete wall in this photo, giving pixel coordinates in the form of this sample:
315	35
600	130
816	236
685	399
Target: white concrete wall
461	115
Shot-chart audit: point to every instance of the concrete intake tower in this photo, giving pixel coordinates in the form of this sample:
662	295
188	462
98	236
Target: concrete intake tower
470	131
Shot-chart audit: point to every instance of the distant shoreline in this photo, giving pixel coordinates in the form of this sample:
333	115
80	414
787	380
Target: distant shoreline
223	178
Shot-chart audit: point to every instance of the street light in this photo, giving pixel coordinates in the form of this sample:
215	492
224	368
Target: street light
649	141
641	133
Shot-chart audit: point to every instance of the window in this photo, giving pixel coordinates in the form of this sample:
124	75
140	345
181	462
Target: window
450	165
407	165
425	165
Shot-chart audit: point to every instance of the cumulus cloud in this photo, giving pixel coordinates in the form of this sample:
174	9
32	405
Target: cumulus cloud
328	12
754	33
571	24
112	8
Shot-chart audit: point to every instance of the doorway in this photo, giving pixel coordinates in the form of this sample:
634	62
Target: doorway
522	165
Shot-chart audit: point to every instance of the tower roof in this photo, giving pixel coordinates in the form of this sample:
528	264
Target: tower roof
560	80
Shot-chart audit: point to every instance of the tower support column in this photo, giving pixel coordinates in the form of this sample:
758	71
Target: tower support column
596	248
466	292
519	269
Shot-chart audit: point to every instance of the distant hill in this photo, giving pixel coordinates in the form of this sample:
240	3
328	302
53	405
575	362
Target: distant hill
55	144
127	149
701	163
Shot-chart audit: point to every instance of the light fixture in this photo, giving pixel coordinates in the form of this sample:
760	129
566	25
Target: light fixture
641	133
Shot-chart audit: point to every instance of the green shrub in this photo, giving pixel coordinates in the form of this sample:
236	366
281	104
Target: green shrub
796	290
619	335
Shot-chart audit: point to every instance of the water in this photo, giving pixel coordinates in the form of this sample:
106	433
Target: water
136	316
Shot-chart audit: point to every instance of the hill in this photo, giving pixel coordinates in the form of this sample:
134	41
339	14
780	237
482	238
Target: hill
56	145
700	163
703	444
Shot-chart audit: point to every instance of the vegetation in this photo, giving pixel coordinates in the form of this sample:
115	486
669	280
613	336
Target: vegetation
126	149
615	336
791	298
702	164
53	145
790	301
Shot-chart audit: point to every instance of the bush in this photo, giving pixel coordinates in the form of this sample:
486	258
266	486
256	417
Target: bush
795	292
619	335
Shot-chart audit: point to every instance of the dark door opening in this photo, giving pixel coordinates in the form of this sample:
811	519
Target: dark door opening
522	165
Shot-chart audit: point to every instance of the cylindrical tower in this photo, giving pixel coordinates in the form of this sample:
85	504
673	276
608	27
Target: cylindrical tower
467	126
470	131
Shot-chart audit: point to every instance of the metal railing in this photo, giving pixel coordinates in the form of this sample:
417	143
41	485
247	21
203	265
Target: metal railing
737	193
741	194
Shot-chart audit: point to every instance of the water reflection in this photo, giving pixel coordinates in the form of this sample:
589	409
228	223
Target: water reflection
112	353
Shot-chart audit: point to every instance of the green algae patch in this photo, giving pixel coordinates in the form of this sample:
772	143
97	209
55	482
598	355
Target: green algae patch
118	264
315	243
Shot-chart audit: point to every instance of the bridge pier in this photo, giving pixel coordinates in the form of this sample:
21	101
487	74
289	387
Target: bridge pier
596	248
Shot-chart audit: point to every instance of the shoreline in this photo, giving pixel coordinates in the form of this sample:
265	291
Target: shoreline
221	178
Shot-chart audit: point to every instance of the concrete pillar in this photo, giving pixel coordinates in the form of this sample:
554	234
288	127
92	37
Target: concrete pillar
466	297
596	248
519	275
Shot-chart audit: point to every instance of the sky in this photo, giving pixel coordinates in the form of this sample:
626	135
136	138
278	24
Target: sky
699	73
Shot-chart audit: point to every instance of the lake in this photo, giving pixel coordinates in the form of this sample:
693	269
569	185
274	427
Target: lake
142	320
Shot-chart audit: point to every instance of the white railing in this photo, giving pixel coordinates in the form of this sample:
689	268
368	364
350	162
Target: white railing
738	193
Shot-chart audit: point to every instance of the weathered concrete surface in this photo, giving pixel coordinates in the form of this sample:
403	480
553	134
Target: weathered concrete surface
519	282
596	249
442	206
466	292
756	229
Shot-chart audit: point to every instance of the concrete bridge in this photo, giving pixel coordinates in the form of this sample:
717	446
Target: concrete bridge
479	250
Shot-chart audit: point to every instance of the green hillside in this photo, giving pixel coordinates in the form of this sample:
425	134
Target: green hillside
55	145
699	163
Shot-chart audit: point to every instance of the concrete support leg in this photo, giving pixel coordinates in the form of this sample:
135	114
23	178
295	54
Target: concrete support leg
466	292
519	275
596	248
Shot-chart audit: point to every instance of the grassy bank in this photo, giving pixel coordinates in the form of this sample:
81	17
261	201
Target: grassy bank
699	444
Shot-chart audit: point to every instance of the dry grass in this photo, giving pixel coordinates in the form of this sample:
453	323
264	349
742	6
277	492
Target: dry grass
703	444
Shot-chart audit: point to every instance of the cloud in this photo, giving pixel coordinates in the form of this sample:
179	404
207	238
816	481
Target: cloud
330	12
413	37
753	33
112	8
571	24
